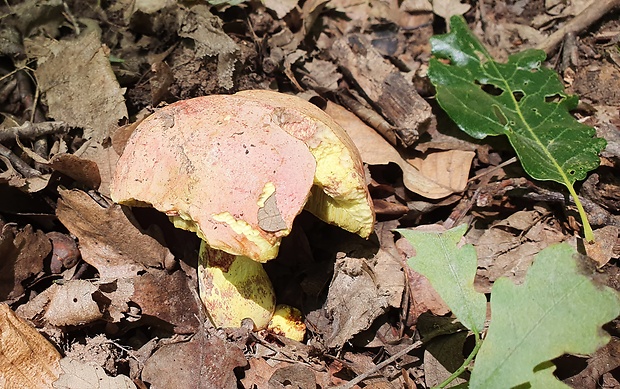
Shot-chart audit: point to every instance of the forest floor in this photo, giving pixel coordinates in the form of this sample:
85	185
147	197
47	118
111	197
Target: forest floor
114	290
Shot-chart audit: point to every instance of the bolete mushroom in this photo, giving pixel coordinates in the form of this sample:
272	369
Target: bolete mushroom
236	170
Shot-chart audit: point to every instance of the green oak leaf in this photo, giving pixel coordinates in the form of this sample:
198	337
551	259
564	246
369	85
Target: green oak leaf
557	310
519	99
451	270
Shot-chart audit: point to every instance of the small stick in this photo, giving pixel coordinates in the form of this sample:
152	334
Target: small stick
29	99
22	167
380	366
372	118
494	169
31	130
585	19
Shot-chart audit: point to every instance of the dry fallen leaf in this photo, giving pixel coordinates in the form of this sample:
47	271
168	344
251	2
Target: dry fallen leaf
79	374
70	304
602	250
259	372
27	359
360	291
377	151
167	298
202	362
105	158
509	246
280	7
205	29
22	252
301	375
447	8
62	74
442	357
81	170
447	168
108	240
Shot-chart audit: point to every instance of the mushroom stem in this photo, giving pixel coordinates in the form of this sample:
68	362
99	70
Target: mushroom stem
234	287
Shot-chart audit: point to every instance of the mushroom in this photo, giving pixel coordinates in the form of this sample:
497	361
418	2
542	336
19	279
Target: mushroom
236	170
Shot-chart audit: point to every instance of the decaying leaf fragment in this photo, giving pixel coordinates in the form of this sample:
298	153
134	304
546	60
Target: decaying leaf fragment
109	241
360	291
206	30
20	367
70	304
206	362
63	72
22	253
81	374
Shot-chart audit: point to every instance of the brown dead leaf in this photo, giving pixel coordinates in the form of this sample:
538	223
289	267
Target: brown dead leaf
22	252
108	239
360	364
8	174
447	168
272	373
75	302
81	170
118	293
203	362
99	350
205	29
377	151
361	12
80	374
360	291
442	357
559	10
280	7
301	375
602	250
70	304
63	72
259	372
167	297
121	136
509	246
33	14
447	8
105	157
160	82
27	359
321	74
423	296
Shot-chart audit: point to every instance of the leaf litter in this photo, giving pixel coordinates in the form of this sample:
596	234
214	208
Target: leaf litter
93	71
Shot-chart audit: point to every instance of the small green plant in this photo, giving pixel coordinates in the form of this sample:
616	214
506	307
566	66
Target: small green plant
519	99
557	310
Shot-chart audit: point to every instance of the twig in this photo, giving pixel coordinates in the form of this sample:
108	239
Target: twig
31	130
371	117
22	167
380	366
494	169
579	23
